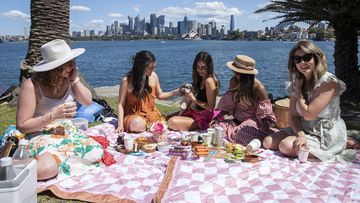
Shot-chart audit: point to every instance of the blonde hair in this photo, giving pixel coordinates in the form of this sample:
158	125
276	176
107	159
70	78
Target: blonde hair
320	63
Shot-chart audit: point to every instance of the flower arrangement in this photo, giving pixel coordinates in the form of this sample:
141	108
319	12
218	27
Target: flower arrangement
159	129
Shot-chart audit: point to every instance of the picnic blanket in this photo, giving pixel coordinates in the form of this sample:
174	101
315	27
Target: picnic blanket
159	178
273	178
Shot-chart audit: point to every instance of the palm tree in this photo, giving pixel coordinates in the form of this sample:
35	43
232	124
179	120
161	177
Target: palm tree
343	16
49	20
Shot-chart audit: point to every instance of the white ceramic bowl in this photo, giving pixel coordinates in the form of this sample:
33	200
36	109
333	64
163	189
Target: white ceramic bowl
163	146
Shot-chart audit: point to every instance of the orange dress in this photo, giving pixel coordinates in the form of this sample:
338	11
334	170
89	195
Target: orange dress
145	108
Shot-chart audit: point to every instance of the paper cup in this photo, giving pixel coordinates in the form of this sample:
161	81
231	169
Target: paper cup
207	138
253	145
303	154
194	136
129	143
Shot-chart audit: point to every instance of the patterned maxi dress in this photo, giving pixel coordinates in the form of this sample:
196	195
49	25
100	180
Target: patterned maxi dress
326	134
247	122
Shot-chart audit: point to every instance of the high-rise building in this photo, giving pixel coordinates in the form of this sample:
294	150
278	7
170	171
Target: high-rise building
161	24
232	23
137	24
153	22
131	24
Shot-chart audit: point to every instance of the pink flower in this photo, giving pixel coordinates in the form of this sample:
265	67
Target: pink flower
158	127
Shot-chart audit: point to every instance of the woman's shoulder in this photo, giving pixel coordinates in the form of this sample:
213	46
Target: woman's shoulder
260	89
329	80
210	82
28	84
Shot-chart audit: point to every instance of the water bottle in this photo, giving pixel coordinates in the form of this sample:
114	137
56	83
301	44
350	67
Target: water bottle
21	156
6	170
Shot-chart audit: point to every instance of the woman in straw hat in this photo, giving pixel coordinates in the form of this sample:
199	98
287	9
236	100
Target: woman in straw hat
247	101
47	96
314	107
137	93
206	87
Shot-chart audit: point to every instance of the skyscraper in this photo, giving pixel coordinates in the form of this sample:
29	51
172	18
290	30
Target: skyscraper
232	23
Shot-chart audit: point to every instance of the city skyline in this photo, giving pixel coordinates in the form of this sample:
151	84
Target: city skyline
95	15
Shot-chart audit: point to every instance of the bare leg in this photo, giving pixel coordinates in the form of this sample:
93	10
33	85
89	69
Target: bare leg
182	123
286	146
46	166
137	124
272	141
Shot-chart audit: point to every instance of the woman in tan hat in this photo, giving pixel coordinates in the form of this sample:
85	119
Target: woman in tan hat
48	96
247	101
316	125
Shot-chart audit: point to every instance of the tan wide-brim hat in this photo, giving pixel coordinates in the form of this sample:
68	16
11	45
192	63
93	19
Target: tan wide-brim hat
56	53
243	64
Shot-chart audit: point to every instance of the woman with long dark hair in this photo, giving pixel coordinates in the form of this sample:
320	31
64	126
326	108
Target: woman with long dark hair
247	101
137	93
206	87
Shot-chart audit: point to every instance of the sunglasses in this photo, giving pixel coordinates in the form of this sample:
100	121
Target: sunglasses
305	58
200	67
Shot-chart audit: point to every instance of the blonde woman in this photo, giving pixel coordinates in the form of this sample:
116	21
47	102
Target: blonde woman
314	107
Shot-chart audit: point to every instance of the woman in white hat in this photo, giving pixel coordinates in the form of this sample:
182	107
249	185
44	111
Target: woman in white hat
49	95
247	101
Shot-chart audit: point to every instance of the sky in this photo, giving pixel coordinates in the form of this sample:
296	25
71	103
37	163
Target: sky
96	14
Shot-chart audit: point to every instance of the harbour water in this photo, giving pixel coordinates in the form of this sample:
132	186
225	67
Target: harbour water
105	62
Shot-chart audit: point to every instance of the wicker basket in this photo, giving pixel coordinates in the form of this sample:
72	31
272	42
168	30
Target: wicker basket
282	113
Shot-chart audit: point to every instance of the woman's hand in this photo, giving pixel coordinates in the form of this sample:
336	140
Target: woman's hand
299	142
73	74
66	110
120	127
190	96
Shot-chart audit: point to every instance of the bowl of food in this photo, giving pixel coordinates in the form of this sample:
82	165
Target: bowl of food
251	158
163	146
195	144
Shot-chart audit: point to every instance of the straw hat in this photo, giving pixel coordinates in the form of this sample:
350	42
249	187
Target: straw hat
243	64
56	53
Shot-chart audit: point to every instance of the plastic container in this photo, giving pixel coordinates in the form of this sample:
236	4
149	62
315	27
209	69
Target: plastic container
80	123
6	170
163	146
21	188
21	156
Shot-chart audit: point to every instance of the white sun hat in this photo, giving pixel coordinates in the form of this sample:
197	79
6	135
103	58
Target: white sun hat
56	53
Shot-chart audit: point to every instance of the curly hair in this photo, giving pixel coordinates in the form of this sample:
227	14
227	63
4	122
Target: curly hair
52	79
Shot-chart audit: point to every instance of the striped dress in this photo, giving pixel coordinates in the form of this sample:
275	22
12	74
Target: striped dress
248	121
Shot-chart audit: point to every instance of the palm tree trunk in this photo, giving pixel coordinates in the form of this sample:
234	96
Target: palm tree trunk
49	20
346	60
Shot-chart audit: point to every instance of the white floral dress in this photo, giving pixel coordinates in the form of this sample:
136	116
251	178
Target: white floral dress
75	152
326	134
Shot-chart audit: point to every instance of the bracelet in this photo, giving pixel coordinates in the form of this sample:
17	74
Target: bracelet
75	81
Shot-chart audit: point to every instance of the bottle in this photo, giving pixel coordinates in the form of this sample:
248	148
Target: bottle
21	156
6	170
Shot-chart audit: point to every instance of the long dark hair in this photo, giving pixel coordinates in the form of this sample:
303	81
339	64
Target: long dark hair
206	58
51	79
245	89
137	75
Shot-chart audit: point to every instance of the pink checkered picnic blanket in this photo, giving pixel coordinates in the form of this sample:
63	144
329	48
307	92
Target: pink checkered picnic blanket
273	178
159	178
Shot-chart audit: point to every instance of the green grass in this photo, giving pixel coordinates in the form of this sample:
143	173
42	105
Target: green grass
7	117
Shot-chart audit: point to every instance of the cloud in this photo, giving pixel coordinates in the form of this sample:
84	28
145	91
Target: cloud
262	5
79	8
115	15
137	8
95	24
203	11
16	14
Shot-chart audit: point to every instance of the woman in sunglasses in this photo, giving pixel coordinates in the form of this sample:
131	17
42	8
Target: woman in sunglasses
206	87
314	107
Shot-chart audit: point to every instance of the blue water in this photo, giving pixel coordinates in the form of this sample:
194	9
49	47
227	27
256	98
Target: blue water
105	62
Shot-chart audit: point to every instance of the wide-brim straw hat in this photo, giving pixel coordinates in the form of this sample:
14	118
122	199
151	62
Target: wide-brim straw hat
243	64
56	53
